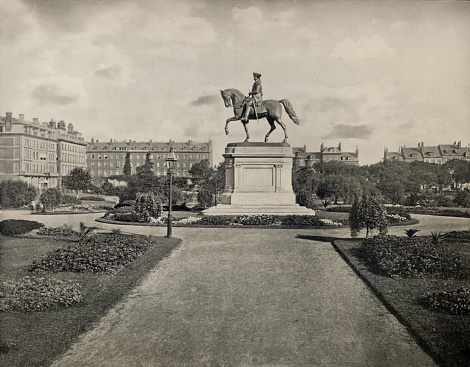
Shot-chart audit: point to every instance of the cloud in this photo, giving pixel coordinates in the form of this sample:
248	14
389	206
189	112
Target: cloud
58	91
205	100
343	131
108	71
372	47
252	19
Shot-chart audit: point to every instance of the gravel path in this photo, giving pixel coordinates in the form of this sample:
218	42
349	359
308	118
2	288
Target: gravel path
248	298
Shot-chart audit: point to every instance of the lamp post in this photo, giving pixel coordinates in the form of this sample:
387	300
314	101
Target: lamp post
170	164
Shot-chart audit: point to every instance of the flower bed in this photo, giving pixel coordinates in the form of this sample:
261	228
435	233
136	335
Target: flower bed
64	230
37	294
413	257
14	227
453	302
104	253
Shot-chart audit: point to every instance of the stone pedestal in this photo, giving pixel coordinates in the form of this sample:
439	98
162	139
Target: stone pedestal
258	180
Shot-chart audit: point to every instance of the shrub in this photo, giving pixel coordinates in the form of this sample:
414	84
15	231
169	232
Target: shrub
124	217
411	257
84	232
454	302
367	213
301	220
147	206
14	227
458	236
50	198
37	294
69	200
92	198
64	230
15	194
411	232
437	237
305	198
105	253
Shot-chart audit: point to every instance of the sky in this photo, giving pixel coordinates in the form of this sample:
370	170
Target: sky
371	74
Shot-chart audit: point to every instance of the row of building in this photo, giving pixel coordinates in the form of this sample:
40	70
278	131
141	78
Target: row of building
41	153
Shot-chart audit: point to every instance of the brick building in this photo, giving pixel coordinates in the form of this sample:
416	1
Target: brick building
39	153
106	159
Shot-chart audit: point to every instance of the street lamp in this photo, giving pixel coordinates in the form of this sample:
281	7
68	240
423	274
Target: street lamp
170	164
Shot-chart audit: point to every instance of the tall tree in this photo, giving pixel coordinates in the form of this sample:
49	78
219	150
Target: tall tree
127	170
367	213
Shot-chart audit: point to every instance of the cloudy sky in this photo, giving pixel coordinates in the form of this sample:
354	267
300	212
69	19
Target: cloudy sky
369	74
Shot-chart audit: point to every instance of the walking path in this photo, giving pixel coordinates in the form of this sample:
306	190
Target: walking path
248	297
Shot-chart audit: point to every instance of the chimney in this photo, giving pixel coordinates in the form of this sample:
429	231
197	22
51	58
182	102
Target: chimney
8	123
339	147
92	141
459	145
35	120
60	125
70	128
21	117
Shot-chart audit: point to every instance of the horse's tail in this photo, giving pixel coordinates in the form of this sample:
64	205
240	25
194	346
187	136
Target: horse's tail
290	110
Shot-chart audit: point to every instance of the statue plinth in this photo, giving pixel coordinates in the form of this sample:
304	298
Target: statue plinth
258	180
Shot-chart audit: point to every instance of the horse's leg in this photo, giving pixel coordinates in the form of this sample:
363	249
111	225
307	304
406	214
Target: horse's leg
234	118
273	127
280	122
245	125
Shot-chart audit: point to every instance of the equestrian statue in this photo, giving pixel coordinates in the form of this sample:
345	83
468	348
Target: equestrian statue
253	108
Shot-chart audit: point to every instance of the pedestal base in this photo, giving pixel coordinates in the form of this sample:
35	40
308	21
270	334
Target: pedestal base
258	180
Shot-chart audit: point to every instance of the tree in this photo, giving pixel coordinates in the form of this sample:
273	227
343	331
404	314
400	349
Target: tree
201	170
463	198
15	194
127	170
367	213
50	198
77	180
147	168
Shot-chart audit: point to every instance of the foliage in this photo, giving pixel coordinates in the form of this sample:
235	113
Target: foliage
458	236
412	257
50	198
301	220
201	170
204	198
305	198
124	217
367	213
78	179
15	194
69	200
14	227
463	198
127	170
64	231
147	205
105	253
84	232
37	294
92	198
411	232
437	237
453	302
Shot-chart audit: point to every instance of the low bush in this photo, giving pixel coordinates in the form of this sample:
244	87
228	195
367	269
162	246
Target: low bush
92	198
256	220
453	302
69	200
125	217
411	257
104	253
14	227
301	220
339	209
458	236
64	231
37	294
215	220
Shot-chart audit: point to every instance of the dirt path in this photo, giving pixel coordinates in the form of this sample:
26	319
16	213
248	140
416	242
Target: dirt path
248	298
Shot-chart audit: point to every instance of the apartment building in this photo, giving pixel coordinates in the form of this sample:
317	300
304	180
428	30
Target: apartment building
326	154
39	153
438	154
107	158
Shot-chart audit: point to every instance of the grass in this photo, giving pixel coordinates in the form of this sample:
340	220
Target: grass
38	338
445	337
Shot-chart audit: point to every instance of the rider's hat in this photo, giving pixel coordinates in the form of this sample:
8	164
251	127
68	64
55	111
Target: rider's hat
258	75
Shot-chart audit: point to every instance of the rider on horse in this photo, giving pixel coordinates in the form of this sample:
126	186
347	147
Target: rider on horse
256	98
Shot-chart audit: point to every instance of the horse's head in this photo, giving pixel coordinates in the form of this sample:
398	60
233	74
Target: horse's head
227	98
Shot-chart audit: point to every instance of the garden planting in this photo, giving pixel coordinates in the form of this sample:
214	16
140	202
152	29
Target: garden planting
424	281
55	284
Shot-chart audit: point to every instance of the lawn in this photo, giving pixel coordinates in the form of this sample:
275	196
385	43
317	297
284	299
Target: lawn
446	337
37	338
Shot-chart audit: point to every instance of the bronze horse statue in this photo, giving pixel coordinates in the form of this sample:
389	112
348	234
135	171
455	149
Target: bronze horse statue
273	112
